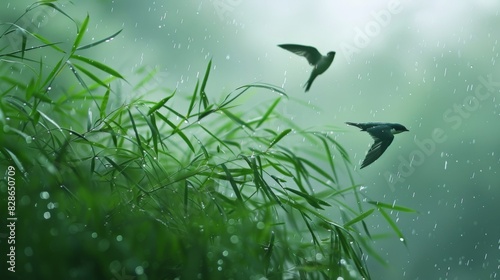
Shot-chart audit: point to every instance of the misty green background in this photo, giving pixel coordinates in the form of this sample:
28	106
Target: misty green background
432	67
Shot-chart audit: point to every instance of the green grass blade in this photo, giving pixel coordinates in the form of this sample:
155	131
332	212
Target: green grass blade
232	182
266	115
203	94
160	104
361	217
90	75
105	40
393	226
392	207
279	137
237	119
81	32
99	66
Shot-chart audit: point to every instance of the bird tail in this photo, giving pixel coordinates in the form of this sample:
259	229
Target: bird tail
353	124
309	83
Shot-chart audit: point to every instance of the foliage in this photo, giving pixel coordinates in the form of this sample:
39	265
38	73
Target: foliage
149	190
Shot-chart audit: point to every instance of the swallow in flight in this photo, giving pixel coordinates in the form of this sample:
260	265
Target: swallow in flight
383	134
315	59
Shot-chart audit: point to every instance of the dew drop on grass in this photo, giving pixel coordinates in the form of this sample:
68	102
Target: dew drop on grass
44	195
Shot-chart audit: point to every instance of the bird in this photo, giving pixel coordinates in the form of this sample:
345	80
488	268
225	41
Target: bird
314	57
383	134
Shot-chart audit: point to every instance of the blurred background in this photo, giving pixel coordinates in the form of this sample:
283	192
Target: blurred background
429	66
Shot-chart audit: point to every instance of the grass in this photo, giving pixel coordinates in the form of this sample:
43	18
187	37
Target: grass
152	191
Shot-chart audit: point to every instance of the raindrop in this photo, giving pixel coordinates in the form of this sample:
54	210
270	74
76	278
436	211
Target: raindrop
44	195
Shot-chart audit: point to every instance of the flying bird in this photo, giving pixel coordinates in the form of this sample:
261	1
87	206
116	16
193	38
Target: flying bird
383	134
314	57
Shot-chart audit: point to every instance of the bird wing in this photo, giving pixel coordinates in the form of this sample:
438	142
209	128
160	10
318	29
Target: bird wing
383	138
310	53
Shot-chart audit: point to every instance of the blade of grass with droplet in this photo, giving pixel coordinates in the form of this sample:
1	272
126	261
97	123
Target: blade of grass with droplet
279	137
160	104
203	149
82	82
237	119
99	66
100	41
193	100
393	225
90	75
203	94
104	103
137	136
178	131
55	71
392	207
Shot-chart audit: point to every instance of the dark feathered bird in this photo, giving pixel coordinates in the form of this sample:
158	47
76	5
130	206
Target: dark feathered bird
314	57
383	134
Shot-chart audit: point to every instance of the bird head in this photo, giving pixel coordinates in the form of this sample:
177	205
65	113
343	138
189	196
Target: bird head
332	54
398	128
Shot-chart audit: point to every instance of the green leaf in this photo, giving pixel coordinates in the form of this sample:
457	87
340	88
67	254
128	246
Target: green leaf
99	65
105	40
176	130
203	94
237	119
104	103
81	32
193	100
313	201
160	104
232	182
392	207
90	75
393	225
279	137
361	217
268	112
